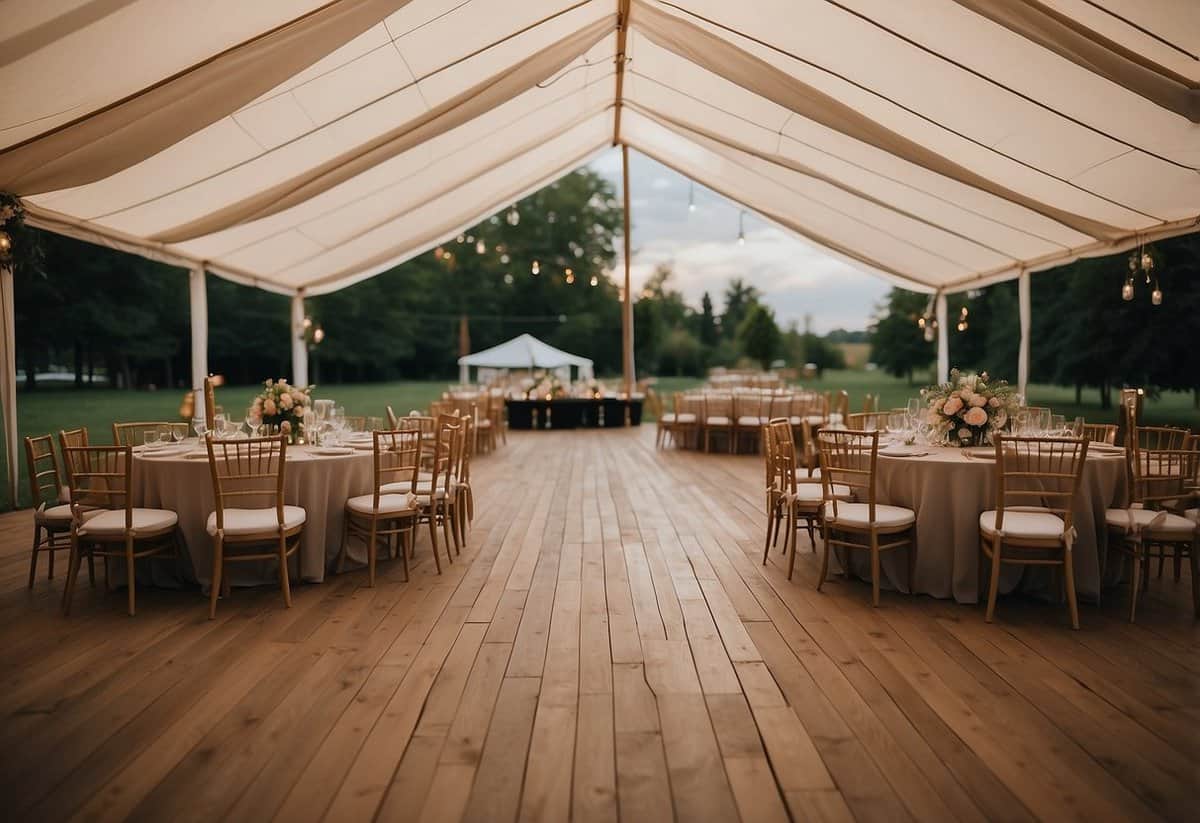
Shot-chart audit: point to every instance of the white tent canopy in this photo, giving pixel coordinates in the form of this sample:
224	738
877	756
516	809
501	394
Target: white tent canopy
525	352
300	145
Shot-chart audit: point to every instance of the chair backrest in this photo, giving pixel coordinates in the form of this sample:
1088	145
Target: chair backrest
1162	464
809	404
99	478
440	407
445	451
848	458
134	434
466	448
867	421
70	438
397	458
748	404
248	472
45	482
843	403
718	405
418	422
780	449
809	455
210	405
393	423
1041	472
356	423
870	402
1100	432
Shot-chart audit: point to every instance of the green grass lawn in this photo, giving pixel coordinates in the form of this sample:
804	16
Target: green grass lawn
52	409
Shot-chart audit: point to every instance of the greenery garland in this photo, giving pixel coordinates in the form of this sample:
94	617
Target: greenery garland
20	245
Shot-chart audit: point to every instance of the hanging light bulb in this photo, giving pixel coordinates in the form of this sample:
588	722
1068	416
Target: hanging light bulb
535	269
460	239
741	228
513	217
5	244
318	335
1127	290
504	258
570	276
480	246
691	196
928	332
595	281
508	279
1156	295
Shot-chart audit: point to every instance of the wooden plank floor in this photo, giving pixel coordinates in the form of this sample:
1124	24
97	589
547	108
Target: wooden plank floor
608	647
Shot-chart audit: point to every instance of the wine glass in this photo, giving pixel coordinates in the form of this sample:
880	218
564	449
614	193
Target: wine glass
200	427
178	432
219	424
253	421
1058	425
1042	422
1077	427
310	426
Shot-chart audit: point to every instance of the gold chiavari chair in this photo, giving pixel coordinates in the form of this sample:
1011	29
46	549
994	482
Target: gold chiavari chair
718	418
774	490
250	472
689	408
393	421
867	421
104	521
855	521
388	515
1161	465
1100	432
465	503
210	404
435	497
357	423
68	438
843	404
750	414
134	434
870	403
51	501
439	407
1032	524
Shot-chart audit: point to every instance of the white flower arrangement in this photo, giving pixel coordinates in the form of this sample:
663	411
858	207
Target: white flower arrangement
968	409
283	405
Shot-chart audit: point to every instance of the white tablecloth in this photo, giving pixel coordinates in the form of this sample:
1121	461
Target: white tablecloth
320	484
948	491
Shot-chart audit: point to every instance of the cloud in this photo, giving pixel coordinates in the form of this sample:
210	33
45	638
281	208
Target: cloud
797	280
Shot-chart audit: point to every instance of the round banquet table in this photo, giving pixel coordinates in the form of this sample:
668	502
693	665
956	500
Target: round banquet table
320	484
949	490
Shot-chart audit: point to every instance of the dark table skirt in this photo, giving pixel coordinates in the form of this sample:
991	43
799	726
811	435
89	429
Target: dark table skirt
573	413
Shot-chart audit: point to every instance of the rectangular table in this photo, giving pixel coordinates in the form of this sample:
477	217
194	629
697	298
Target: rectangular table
573	413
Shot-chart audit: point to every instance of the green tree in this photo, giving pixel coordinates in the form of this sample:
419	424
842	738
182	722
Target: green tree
898	344
759	335
739	298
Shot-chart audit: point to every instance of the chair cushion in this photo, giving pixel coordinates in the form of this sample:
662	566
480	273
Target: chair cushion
484	423
1022	522
111	522
685	417
388	504
747	420
859	514
716	421
1193	515
669	417
802	474
56	514
1172	525
255	521
815	491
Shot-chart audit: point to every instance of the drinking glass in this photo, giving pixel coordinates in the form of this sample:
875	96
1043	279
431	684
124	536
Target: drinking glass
897	424
150	438
219	424
915	407
310	426
374	423
1058	425
253	422
1077	427
1041	422
200	427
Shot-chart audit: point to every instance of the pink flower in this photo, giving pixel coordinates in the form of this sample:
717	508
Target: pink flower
952	406
967	395
269	407
285	401
978	400
934	417
994	402
976	416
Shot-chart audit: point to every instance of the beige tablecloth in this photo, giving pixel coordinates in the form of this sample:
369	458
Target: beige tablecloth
320	484
948	491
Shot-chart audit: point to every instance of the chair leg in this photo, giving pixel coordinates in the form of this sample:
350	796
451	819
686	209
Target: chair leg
406	546
1136	579
72	572
91	569
812	538
372	551
993	583
37	541
874	569
130	575
218	566
772	511
824	556
790	542
437	561
1069	580
284	582
447	530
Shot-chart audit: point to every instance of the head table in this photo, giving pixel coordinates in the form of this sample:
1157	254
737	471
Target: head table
948	489
180	480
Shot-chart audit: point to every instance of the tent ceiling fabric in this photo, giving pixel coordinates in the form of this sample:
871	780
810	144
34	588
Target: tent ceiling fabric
301	145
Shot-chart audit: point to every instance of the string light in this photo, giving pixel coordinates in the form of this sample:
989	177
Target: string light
1142	261
535	269
318	335
962	320
513	217
570	277
460	239
741	228
480	246
5	244
508	279
691	196
595	281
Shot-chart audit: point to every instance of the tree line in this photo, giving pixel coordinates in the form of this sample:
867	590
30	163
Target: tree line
1082	333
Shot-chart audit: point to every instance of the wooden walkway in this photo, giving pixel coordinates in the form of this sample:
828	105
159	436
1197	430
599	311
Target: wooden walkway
609	647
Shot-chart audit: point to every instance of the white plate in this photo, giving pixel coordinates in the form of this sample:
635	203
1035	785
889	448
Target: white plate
330	451
903	451
980	452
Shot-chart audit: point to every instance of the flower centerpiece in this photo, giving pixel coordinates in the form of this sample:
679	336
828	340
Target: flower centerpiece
281	405
968	409
547	387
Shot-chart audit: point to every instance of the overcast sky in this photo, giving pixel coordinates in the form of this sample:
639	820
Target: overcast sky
795	278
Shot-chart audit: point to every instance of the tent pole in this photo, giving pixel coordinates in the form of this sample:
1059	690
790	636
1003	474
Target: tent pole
943	350
8	377
299	346
1024	304
198	309
627	306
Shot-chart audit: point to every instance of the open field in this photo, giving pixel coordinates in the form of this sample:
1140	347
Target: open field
52	409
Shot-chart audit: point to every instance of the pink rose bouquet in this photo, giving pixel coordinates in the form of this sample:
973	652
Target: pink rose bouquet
281	406
968	409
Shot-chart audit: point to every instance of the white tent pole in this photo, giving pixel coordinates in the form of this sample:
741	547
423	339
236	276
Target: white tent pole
627	306
943	357
198	308
299	345
8	377
1024	304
